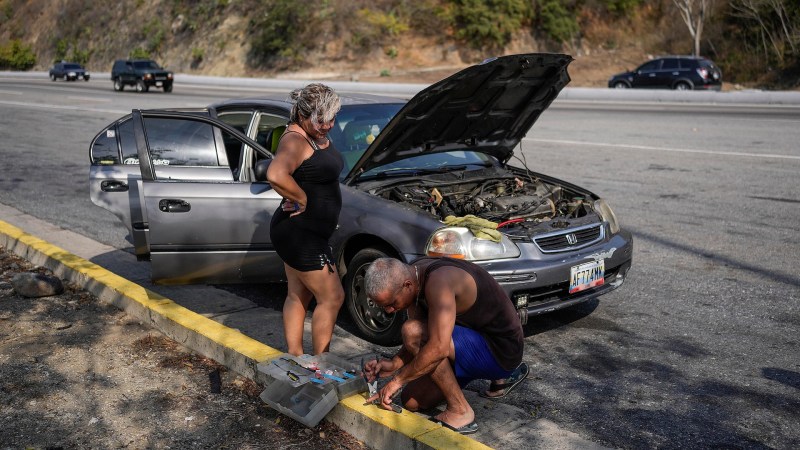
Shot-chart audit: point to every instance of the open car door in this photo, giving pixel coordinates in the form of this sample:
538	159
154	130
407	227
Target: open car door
201	224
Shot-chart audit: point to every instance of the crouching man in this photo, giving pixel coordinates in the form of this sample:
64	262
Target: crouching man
462	326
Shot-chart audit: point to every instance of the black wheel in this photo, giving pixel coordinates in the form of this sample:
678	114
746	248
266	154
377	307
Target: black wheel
682	86
86	78
621	85
168	87
118	86
374	323
140	86
52	77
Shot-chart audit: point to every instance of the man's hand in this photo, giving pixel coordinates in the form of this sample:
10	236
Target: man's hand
375	369
386	395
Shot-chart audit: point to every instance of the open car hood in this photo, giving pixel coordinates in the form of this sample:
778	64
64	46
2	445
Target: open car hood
488	107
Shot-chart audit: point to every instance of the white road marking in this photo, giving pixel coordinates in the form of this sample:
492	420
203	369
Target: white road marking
11	92
90	99
665	149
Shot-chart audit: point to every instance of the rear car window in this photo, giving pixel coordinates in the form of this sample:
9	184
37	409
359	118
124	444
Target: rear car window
105	149
181	142
670	64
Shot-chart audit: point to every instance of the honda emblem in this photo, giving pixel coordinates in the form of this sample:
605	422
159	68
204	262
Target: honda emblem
572	239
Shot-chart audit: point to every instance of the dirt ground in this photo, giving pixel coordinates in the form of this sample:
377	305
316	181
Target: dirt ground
77	373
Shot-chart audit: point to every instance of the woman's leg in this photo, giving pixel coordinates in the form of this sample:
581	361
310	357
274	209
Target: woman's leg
294	310
326	287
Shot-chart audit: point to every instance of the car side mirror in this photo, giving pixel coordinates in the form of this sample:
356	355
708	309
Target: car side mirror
260	170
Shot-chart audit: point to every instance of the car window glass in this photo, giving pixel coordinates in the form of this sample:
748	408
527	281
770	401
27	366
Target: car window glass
265	128
356	127
670	64
239	119
233	146
180	142
104	148
127	142
650	66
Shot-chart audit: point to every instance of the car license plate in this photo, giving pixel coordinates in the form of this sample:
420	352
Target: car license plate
159	83
587	275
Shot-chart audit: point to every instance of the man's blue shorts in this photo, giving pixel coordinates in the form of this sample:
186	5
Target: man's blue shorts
474	360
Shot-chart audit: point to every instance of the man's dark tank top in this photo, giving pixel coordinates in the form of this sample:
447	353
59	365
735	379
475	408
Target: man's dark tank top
492	315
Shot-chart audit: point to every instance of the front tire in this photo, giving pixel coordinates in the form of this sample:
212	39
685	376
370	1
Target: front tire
52	77
621	85
140	86
168	87
118	86
372	321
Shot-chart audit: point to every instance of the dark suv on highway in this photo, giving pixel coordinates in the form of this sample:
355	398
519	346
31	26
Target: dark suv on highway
671	72
141	73
68	71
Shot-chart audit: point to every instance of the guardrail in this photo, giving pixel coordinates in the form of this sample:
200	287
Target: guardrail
743	97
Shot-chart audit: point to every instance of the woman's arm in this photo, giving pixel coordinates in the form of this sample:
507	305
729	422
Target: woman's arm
291	152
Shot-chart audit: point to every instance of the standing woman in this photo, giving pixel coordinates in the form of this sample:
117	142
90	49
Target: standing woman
305	171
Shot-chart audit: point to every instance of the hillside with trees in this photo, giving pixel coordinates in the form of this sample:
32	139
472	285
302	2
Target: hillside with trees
756	43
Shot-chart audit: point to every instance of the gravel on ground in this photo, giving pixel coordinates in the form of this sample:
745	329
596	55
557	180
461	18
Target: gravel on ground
78	373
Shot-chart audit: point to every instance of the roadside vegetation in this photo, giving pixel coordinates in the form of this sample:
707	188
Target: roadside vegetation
755	42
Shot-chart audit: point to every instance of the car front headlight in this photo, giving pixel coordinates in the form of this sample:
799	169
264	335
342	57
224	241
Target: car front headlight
460	243
608	215
148	76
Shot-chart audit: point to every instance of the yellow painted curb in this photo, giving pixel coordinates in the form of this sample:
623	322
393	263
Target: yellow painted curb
411	425
216	332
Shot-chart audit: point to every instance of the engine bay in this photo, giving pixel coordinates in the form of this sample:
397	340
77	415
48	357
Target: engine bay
521	205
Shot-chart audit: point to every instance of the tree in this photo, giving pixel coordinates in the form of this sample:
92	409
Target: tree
779	29
694	13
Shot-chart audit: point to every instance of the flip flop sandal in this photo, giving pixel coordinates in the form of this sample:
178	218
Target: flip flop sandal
466	429
519	374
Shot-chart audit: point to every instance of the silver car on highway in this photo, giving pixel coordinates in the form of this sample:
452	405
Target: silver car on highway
190	187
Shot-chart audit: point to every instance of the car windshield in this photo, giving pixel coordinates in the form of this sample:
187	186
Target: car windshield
72	66
146	65
356	128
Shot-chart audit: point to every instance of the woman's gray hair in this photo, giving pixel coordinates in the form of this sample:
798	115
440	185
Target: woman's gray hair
314	101
384	274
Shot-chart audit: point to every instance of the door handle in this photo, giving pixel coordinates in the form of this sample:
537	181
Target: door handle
113	186
173	205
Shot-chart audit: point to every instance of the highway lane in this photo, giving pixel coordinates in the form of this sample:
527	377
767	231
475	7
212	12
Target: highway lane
699	348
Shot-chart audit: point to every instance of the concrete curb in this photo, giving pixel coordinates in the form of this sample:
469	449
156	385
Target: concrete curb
382	429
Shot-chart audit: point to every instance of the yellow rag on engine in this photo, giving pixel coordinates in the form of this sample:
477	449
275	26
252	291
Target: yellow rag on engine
481	228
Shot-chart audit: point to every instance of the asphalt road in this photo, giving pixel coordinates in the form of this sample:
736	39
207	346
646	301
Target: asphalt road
700	348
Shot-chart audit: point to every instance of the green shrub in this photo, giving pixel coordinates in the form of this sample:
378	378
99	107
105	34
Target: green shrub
197	54
80	56
61	50
557	21
373	27
277	31
488	23
621	7
139	53
16	56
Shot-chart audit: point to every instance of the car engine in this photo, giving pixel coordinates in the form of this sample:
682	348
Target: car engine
519	204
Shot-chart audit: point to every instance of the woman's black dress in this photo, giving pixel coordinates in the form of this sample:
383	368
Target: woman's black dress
302	241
